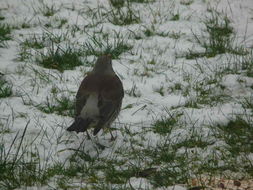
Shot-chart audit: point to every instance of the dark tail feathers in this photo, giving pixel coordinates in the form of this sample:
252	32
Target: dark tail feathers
80	125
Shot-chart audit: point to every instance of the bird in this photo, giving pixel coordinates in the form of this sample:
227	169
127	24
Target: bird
98	99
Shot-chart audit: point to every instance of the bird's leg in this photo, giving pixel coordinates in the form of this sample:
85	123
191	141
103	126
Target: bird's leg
112	137
88	135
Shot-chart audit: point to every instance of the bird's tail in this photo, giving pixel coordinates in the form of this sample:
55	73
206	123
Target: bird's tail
80	125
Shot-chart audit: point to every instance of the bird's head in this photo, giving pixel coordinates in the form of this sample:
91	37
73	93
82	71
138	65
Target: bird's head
103	65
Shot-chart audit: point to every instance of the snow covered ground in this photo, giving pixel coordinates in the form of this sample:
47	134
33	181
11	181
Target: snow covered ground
186	68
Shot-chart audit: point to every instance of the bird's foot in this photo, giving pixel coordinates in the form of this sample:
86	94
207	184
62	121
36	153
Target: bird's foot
113	138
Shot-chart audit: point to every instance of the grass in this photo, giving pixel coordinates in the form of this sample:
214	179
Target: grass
37	42
5	88
171	165
208	91
247	103
237	134
60	58
5	34
23	168
166	153
24	54
62	106
4	130
175	17
47	10
15	170
166	125
33	42
194	141
219	34
205	95
123	15
220	38
61	22
247	64
177	87
160	90
186	2
134	92
1	17
25	24
142	1
175	35
162	165
100	45
151	31
117	3
166	177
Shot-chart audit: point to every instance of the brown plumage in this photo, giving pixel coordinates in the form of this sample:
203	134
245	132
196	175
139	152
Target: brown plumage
99	98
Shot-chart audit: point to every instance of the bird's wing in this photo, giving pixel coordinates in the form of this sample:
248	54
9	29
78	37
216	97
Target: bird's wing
109	101
80	102
87	87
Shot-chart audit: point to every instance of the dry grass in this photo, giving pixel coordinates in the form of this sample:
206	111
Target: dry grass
219	183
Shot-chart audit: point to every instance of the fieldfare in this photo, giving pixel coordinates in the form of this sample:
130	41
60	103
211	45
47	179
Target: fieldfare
99	98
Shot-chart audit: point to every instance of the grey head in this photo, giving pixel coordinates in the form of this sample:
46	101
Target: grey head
103	65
